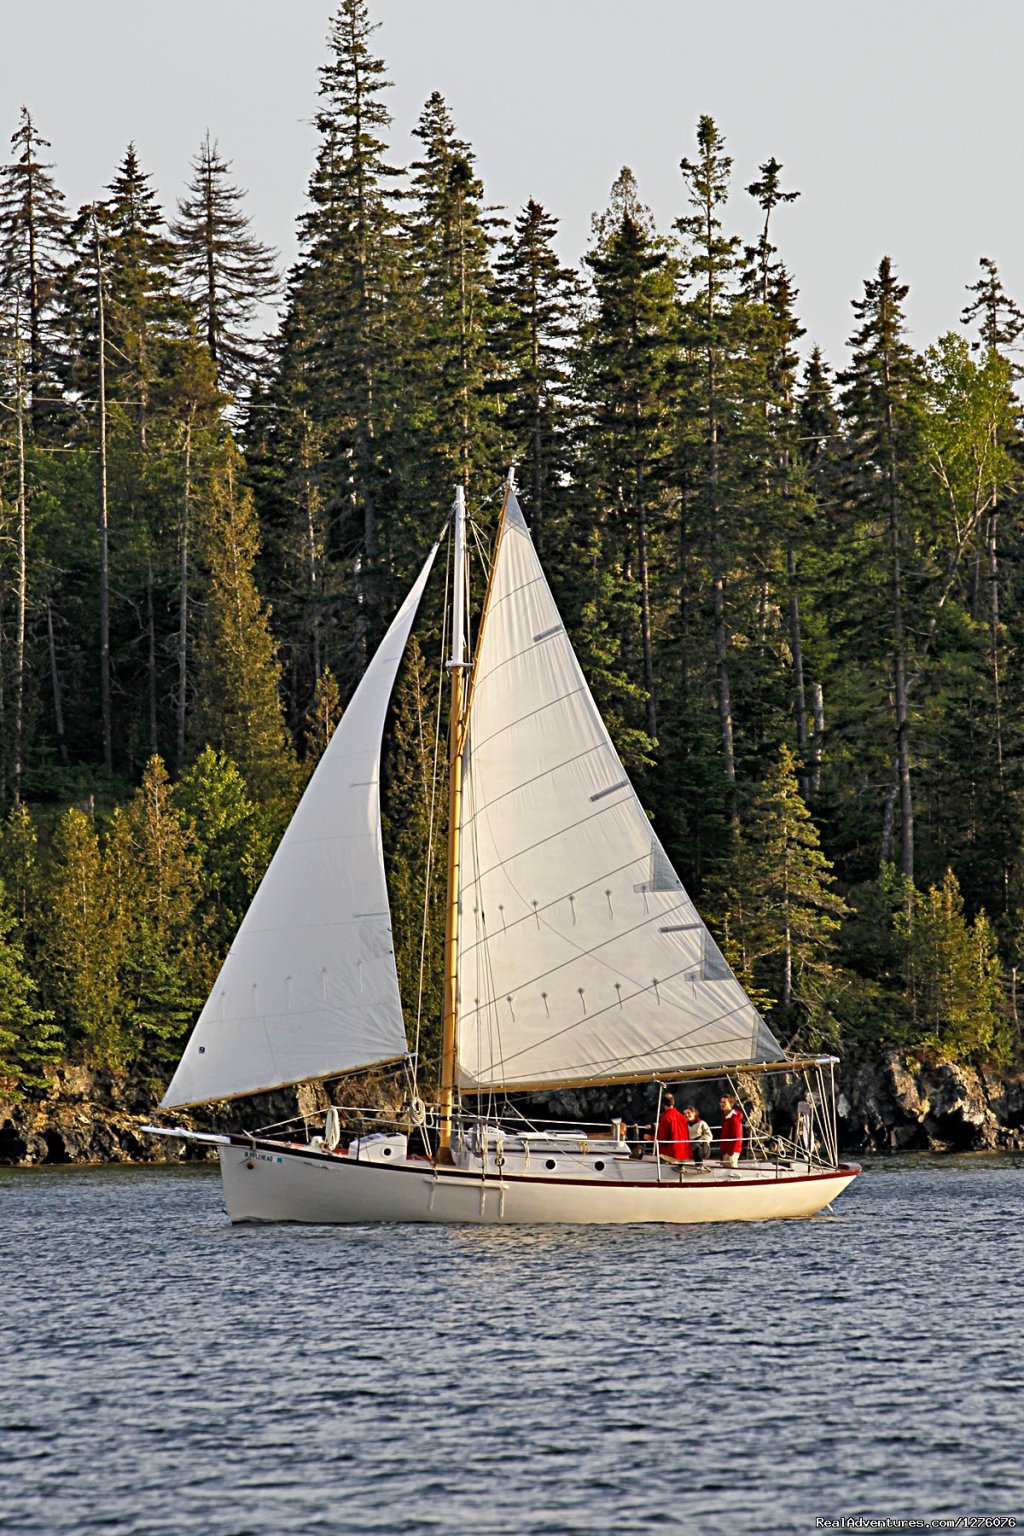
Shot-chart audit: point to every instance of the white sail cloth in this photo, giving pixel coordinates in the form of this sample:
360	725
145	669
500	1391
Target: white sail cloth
581	956
309	987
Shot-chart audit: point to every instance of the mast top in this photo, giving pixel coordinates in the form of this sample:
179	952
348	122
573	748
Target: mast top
458	657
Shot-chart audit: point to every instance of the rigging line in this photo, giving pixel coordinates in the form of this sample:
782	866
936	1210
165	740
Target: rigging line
432	818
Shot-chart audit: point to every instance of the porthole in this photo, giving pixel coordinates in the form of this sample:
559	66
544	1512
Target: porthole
386	1151
550	1164
599	1165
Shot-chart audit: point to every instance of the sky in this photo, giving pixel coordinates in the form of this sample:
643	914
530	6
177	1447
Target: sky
899	121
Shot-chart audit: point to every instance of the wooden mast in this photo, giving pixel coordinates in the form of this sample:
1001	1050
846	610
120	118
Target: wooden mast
460	699
456	739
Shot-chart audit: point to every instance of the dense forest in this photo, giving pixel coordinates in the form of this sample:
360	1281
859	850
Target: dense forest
796	591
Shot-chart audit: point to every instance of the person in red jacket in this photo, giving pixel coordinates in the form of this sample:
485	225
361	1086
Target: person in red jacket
673	1132
731	1140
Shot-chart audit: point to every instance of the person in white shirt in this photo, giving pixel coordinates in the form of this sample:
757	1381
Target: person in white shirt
700	1135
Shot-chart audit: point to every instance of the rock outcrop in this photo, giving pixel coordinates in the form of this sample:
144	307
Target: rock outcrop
889	1102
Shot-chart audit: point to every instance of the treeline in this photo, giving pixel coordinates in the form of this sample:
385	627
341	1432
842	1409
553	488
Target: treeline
796	592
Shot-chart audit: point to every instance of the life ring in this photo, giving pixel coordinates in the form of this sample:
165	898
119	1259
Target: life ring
332	1129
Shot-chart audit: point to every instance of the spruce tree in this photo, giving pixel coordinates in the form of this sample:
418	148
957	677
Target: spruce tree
411	790
322	718
227	273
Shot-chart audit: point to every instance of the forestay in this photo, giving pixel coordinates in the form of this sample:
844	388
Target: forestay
310	987
582	958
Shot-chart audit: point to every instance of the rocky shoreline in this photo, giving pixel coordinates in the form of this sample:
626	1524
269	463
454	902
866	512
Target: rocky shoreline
890	1102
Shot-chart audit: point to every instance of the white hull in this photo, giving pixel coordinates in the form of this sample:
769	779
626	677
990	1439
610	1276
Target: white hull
271	1183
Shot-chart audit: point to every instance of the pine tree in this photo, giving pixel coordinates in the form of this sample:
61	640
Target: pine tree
230	838
951	974
151	859
710	337
28	1037
33	229
238	708
411	794
322	717
627	372
228	274
450	231
536	294
881	397
785	913
328	474
84	945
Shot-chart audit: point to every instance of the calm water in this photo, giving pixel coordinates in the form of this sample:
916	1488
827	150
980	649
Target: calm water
166	1374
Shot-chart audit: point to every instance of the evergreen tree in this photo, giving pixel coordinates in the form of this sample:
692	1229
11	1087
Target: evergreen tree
33	229
123	248
322	717
450	232
629	349
786	913
150	859
327	469
84	946
951	974
230	838
999	318
710	337
28	1038
768	194
536	294
238	708
411	793
20	867
884	491
228	274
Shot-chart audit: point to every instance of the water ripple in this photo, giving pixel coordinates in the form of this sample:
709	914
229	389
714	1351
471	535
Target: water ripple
172	1375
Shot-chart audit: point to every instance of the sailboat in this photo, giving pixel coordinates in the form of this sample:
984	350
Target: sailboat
574	957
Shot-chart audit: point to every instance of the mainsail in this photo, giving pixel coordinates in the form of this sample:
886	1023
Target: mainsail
309	987
582	958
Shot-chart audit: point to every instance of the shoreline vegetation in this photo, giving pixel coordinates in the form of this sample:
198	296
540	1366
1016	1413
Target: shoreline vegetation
794	588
